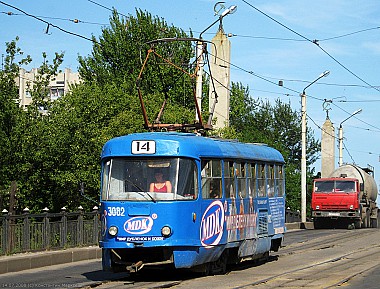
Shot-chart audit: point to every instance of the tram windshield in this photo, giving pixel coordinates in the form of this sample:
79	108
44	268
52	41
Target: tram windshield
149	179
334	186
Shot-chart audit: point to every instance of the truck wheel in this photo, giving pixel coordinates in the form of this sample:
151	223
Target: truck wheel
373	223
366	222
358	224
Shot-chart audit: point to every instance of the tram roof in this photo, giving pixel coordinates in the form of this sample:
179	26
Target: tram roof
190	145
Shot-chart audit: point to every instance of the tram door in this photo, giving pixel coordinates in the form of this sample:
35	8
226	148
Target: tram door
237	198
212	205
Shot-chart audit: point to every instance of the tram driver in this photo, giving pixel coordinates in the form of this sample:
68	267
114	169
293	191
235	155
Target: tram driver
160	185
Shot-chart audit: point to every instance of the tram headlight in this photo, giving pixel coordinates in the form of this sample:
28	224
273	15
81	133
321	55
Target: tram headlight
112	231
317	207
166	231
351	207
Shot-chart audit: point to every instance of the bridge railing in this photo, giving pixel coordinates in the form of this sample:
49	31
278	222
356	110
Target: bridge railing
51	231
46	231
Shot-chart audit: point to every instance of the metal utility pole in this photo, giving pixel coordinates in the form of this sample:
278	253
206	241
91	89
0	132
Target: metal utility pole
303	158
341	136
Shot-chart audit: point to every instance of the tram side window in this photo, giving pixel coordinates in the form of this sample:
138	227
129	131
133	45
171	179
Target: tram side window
187	179
240	171
105	180
211	179
271	178
279	180
261	180
229	179
252	180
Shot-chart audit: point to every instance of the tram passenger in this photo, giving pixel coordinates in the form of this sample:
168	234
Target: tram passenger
214	189
160	185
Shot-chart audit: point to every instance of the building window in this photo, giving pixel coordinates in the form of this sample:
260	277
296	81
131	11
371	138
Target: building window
56	93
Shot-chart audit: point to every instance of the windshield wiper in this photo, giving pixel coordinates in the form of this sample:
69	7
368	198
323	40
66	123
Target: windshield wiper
141	192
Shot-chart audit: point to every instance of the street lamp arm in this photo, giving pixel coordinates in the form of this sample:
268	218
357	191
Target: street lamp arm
319	77
230	10
354	113
200	35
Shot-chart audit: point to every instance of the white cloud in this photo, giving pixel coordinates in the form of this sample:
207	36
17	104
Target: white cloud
373	47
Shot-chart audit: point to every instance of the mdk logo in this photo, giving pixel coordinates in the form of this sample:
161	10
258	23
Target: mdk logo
138	225
211	230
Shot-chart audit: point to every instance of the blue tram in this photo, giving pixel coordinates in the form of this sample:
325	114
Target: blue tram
216	202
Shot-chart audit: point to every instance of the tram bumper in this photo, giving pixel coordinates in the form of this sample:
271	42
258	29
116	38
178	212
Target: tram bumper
135	267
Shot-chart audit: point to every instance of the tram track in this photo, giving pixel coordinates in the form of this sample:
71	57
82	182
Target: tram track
315	259
330	267
321	243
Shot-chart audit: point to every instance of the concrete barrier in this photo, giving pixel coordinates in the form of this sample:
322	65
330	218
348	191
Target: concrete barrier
299	225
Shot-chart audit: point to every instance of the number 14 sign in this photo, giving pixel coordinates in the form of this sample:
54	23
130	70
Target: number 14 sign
143	147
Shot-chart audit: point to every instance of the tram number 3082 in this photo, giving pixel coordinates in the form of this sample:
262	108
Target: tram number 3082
116	211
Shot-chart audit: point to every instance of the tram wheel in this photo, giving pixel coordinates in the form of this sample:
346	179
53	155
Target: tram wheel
220	265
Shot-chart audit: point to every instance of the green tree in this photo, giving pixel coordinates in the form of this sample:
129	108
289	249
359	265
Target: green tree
33	158
10	116
53	147
119	53
277	125
107	105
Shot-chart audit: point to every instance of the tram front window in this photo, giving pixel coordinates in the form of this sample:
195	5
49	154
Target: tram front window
136	179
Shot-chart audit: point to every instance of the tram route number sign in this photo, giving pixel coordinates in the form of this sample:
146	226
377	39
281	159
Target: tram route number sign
143	147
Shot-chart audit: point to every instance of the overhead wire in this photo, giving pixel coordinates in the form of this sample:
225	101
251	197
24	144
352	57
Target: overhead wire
48	23
302	40
333	136
344	144
105	7
349	34
54	18
357	117
263	78
231	64
316	42
78	35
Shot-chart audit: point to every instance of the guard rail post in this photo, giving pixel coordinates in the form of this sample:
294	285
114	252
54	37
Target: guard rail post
26	231
80	227
63	235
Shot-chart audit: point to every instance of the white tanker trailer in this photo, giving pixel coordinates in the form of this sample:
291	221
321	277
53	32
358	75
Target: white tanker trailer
348	194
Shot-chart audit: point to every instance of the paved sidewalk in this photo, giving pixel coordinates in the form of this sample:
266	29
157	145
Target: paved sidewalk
25	261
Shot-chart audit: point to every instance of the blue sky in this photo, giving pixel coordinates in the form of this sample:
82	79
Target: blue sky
272	41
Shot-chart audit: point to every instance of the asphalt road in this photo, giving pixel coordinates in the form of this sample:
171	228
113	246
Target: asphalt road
309	258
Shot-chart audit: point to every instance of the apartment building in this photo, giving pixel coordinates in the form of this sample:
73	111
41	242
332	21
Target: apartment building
59	85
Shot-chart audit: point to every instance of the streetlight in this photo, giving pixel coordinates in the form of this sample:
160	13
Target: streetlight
303	158
341	136
199	56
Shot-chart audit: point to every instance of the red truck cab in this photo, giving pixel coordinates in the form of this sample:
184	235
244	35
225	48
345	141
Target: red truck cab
334	198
